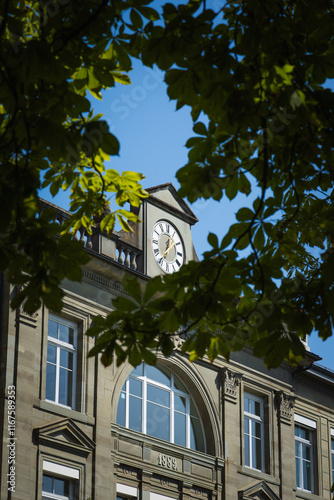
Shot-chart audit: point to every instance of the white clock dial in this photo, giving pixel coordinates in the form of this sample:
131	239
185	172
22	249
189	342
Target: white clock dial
167	247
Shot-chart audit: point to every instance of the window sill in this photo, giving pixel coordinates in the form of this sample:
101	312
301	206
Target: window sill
307	496
257	474
64	411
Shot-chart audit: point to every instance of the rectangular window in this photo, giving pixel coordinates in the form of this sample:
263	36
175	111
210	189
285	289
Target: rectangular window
61	361
304	458
253	431
59	482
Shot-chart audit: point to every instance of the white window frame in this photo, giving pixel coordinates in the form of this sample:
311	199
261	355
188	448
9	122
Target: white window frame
310	425
62	472
260	420
126	492
157	496
68	347
172	390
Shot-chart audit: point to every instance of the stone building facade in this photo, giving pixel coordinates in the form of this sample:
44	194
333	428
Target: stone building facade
72	429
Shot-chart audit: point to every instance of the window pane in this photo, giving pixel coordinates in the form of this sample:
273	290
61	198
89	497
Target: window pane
158	424
66	334
52	353
246	425
65	387
161	374
307	475
157	395
298	473
302	432
247	451
246	404
121	410
135	387
61	486
257	408
193	411
252	406
53	329
50	391
66	359
256	429
135	413
306	450
257	455
196	435
179	403
297	450
179	429
179	386
47	483
139	370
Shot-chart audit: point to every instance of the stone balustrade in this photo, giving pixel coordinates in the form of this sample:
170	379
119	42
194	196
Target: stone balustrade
112	247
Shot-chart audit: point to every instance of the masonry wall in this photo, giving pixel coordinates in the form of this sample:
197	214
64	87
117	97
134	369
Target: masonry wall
88	440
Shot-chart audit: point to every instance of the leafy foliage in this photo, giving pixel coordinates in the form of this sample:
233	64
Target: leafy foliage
254	76
52	54
257	71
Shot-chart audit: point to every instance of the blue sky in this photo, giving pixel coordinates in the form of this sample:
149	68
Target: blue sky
152	135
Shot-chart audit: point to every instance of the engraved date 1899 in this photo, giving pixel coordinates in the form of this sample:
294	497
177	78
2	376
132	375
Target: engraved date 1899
167	461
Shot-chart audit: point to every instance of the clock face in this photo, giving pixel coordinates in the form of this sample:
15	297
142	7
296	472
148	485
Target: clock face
167	247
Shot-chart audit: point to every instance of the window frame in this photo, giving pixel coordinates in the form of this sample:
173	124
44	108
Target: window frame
146	381
252	417
72	348
309	425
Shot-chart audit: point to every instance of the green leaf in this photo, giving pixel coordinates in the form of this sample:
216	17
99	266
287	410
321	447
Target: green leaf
244	214
136	19
200	129
110	144
232	187
213	240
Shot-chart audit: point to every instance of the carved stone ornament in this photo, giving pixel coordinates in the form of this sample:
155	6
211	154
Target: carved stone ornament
178	342
286	404
231	381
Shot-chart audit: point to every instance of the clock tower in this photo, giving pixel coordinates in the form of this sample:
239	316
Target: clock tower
165	233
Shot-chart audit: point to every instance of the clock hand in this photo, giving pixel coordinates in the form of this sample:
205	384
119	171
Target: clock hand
167	246
170	246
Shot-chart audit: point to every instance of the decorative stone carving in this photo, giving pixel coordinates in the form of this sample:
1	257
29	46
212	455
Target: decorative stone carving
231	381
286	404
178	342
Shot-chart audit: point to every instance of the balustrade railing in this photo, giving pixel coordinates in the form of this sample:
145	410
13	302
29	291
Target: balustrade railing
112	247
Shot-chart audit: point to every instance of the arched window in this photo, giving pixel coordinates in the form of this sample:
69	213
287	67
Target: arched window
154	401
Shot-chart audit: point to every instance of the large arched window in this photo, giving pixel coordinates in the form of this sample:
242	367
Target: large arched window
154	401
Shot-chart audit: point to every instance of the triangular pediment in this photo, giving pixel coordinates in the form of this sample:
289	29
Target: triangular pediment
257	491
165	196
64	434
